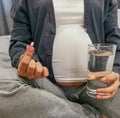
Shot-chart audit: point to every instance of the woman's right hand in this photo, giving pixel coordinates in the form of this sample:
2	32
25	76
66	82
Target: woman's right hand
29	68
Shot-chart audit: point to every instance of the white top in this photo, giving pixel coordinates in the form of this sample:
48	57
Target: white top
69	12
70	46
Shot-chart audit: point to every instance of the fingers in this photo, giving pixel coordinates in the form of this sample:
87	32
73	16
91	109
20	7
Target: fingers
110	91
113	81
21	57
110	78
23	64
29	50
41	71
28	67
31	69
38	70
25	59
104	96
45	72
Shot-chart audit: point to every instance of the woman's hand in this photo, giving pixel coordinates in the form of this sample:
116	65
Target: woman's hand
29	68
113	82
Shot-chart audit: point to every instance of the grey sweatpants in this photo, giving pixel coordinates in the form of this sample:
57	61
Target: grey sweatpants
20	98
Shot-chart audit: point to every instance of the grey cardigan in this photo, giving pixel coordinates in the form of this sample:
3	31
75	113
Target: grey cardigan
34	20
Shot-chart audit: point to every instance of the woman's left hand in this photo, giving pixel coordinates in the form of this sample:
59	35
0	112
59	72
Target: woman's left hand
108	92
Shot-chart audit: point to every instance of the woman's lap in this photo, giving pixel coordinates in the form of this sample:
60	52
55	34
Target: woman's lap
20	100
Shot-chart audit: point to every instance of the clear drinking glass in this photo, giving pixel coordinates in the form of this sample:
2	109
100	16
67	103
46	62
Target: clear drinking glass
100	63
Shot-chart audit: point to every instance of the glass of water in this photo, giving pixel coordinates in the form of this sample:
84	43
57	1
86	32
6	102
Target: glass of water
100	63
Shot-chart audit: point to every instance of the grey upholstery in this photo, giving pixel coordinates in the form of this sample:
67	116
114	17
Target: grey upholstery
119	13
5	19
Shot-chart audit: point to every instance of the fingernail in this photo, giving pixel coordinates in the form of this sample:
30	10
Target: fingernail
99	90
104	79
32	44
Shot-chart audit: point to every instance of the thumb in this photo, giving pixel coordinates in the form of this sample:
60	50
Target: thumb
30	49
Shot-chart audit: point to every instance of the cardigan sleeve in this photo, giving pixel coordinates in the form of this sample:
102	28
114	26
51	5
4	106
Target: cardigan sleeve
112	32
21	33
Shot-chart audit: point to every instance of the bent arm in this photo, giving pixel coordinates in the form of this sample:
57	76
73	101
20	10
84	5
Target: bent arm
21	35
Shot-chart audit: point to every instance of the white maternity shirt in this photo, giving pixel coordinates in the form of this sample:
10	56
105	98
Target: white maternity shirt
69	59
